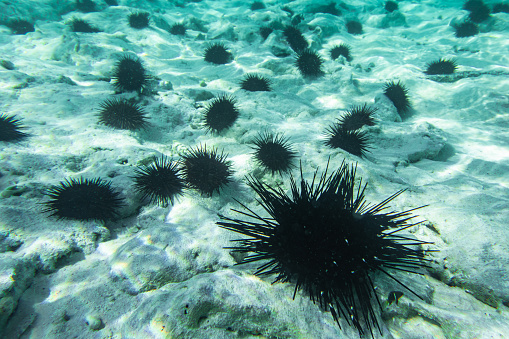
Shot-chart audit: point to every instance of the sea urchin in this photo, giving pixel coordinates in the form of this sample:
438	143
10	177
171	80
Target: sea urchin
83	199
217	53
11	128
327	240
160	181
206	170
398	94
129	74
441	66
274	152
309	63
139	20
255	83
122	114
221	113
341	49
353	141
358	116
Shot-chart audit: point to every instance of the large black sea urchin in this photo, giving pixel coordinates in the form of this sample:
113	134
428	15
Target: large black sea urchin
129	74
122	114
217	53
11	129
160	181
255	83
274	152
309	63
206	170
220	114
327	240
83	199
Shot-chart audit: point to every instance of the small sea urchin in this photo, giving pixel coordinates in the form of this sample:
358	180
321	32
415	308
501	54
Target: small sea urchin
11	129
130	74
206	170
139	20
327	240
353	141
391	6
81	26
256	5
83	199
295	39
358	116
309	63
221	113
274	152
354	27
398	94
178	29
217	53
122	114
441	66
341	49
265	32
500	7
466	29
160	181
20	26
255	83
479	11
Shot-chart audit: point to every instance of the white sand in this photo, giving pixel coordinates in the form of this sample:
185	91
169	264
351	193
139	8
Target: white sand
162	272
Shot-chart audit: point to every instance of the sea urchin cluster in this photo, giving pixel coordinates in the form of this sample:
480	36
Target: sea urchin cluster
328	240
345	133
